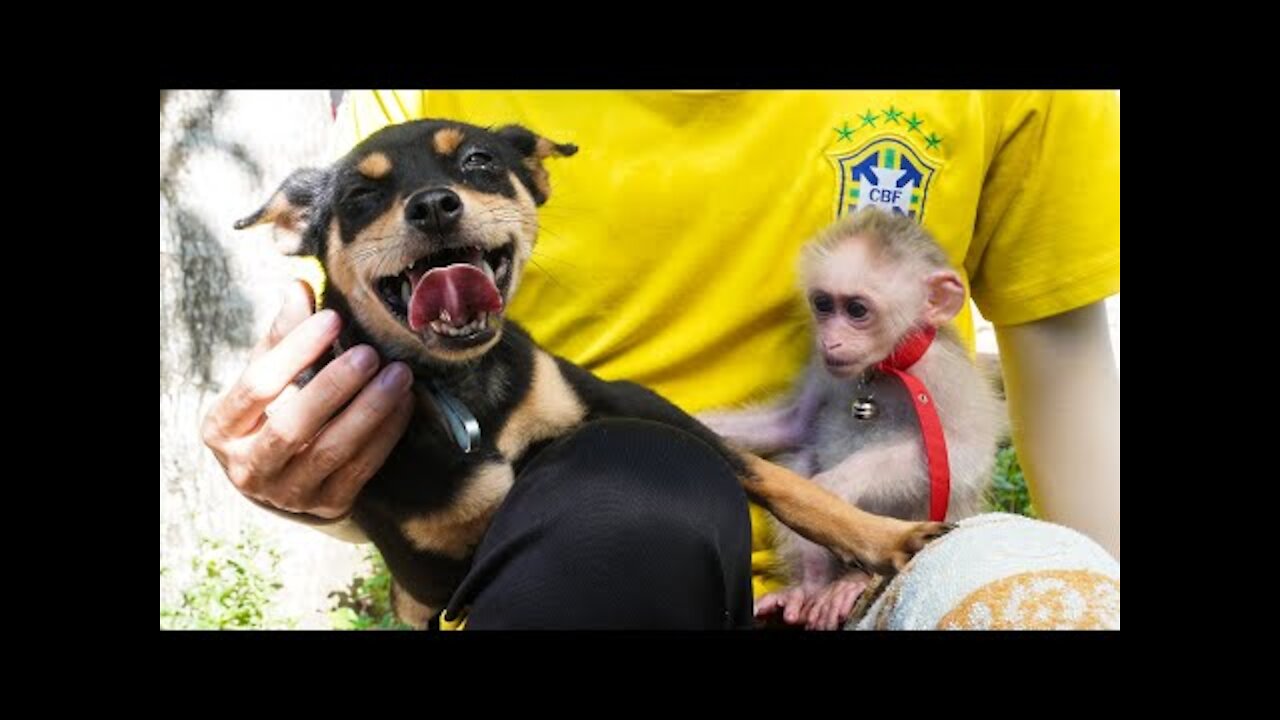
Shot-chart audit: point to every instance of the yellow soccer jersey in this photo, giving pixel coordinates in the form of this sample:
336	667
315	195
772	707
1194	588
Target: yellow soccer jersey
667	252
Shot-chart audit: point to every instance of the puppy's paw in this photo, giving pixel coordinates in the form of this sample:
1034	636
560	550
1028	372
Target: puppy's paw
916	538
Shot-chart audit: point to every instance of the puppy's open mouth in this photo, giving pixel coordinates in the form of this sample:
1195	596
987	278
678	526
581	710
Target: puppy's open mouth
454	293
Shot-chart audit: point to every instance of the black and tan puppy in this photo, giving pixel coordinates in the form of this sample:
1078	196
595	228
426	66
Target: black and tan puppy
423	231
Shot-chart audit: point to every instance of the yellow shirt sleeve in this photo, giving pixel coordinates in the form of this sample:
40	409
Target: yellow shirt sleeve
1047	235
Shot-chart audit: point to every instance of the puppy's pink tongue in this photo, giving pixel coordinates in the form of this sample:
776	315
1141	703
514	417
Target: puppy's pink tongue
462	291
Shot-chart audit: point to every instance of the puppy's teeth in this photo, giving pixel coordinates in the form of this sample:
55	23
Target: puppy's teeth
405	293
488	269
444	315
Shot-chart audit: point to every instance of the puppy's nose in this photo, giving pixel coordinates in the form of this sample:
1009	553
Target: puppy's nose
433	210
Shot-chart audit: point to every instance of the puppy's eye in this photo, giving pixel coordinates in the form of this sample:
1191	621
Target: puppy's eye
360	194
822	303
477	160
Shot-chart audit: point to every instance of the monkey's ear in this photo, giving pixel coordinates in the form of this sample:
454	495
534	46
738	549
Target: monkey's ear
945	299
534	149
290	211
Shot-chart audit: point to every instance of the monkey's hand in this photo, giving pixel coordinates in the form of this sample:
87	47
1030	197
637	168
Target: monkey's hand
790	605
815	568
832	605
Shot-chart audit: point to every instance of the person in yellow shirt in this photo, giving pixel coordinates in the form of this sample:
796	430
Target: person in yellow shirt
667	252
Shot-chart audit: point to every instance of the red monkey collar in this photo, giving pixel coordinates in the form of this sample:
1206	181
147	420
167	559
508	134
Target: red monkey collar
908	353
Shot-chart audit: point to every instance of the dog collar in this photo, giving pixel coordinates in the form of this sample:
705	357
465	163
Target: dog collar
906	354
460	421
463	425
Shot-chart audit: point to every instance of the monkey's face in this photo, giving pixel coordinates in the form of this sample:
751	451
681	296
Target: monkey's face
423	230
862	304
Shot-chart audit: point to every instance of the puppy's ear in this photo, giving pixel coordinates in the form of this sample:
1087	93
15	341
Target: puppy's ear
290	210
534	149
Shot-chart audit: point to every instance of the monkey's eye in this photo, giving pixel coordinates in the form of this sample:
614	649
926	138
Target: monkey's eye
477	160
856	309
822	303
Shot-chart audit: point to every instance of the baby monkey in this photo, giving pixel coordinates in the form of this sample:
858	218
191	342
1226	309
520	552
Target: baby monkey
892	414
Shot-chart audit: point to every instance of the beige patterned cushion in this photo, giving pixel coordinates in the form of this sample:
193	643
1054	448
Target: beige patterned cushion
1001	572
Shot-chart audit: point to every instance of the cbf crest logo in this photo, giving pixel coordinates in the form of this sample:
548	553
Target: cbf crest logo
885	170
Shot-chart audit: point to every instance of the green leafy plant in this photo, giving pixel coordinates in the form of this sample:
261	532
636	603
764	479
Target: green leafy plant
1008	492
233	587
366	603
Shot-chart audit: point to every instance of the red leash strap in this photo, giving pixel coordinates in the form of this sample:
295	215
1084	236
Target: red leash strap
908	352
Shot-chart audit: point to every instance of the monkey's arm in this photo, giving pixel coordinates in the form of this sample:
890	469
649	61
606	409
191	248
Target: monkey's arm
771	429
1064	403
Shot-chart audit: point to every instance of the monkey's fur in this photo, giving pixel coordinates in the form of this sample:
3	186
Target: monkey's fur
871	279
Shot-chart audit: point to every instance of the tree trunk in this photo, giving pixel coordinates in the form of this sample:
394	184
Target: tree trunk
221	155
